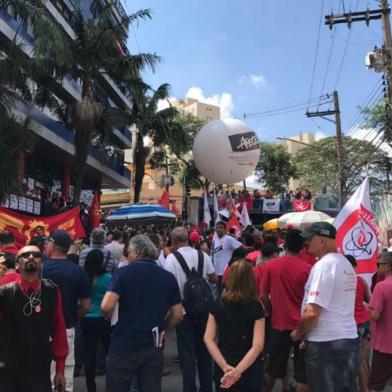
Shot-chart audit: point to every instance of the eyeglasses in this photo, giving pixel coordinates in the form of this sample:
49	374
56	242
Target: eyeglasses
26	255
378	264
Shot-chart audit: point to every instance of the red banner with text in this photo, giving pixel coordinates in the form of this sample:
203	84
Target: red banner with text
24	227
301	205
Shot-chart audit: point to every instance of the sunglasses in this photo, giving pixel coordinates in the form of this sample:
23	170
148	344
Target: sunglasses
26	255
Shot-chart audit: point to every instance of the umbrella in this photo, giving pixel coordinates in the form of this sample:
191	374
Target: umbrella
302	220
141	214
272	224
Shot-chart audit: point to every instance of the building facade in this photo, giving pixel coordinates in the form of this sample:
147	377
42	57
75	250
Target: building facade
49	163
201	110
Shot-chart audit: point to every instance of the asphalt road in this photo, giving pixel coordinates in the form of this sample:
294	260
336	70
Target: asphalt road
172	382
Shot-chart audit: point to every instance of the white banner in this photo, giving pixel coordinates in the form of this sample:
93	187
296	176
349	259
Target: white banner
271	205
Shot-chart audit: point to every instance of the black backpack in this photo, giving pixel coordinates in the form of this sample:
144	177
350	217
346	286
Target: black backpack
197	293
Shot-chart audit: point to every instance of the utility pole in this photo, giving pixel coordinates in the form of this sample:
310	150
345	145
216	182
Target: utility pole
339	140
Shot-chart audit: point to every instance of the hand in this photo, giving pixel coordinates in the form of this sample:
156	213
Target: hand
302	345
59	382
227	368
230	378
294	336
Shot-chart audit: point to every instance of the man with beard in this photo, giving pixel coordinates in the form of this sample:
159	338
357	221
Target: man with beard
32	329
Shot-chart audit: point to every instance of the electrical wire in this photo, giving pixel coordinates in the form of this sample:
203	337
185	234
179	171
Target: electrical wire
368	101
281	107
316	51
345	51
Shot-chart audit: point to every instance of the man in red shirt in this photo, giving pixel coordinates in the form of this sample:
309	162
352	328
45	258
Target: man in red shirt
282	288
32	329
381	315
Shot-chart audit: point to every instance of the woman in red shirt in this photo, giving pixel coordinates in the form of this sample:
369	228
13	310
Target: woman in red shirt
362	320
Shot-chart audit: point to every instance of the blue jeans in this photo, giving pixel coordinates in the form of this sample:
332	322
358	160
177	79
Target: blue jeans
144	364
192	351
332	366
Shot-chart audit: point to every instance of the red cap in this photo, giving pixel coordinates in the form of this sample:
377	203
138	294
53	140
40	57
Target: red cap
194	237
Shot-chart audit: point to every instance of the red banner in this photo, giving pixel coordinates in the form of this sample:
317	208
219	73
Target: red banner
23	227
301	205
95	215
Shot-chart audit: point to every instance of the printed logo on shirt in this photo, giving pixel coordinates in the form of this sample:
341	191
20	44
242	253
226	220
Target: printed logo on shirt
314	294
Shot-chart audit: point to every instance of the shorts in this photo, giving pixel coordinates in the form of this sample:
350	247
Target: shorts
280	346
332	366
380	371
364	330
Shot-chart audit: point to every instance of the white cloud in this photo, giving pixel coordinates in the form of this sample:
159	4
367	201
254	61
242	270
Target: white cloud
223	100
164	103
257	80
320	135
372	136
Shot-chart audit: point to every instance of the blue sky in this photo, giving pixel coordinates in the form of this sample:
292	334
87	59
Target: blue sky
256	55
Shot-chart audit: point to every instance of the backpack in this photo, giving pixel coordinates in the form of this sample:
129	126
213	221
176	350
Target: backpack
197	293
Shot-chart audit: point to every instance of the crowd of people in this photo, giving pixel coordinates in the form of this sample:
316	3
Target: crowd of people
242	308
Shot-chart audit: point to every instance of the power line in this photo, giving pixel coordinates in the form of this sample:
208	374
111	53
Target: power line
345	51
281	107
316	51
367	102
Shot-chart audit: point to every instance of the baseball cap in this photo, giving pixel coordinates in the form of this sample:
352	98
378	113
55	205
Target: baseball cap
61	238
194	237
323	229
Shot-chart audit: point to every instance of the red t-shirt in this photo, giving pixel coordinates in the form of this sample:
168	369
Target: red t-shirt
284	280
259	272
361	313
307	257
9	278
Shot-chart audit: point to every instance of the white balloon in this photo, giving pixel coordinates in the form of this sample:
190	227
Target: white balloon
226	151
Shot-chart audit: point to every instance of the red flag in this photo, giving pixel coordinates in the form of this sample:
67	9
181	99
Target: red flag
357	232
164	200
233	222
95	216
23	226
301	205
174	206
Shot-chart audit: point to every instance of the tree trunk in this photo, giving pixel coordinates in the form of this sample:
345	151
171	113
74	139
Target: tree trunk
140	163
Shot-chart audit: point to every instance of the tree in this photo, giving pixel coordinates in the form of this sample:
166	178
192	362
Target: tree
275	166
163	154
317	165
160	127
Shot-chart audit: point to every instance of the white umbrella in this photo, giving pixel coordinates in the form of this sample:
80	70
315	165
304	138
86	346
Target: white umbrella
302	220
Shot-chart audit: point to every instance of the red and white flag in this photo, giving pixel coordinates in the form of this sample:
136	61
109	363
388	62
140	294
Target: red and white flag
301	205
244	218
357	232
164	199
233	223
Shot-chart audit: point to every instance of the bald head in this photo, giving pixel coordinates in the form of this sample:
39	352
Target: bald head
179	237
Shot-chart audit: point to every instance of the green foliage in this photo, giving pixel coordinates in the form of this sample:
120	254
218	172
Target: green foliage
275	167
317	166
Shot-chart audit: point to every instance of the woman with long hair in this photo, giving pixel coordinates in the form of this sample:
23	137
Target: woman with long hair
93	325
237	319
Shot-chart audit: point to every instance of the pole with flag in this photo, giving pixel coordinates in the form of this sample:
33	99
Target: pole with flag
357	232
206	211
216	209
164	199
95	215
244	218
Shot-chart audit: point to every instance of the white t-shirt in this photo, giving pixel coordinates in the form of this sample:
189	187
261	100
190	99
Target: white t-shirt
115	248
222	249
332	284
192	259
161	259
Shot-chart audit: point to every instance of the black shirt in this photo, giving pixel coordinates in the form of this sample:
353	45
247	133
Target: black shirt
235	336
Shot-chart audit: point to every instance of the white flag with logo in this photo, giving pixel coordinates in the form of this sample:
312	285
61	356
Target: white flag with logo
206	214
244	218
216	209
357	232
271	205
